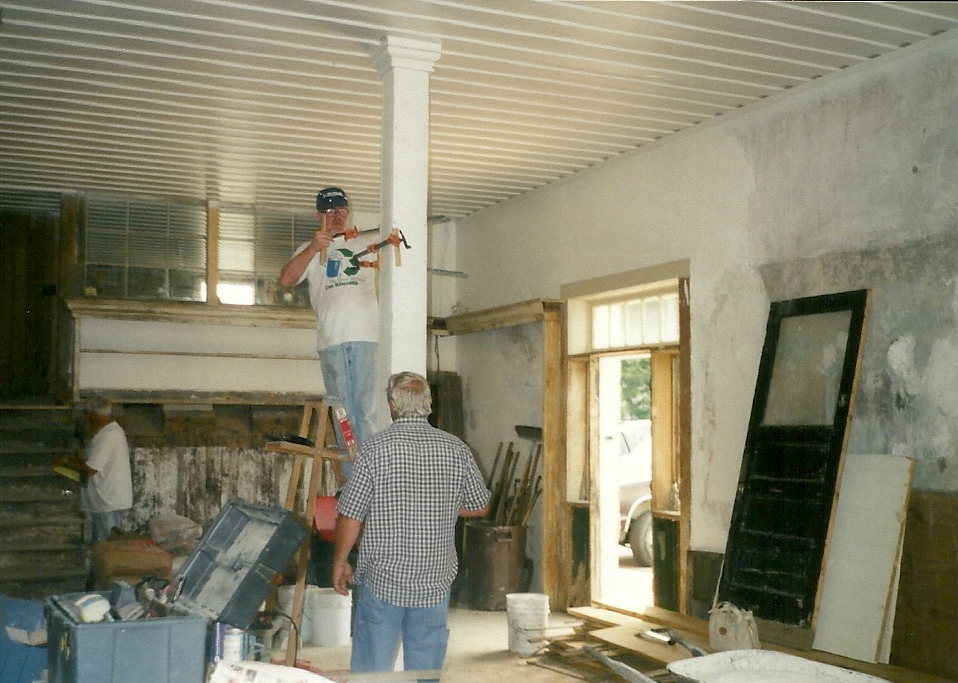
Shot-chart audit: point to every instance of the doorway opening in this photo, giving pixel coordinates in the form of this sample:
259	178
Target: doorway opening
28	301
637	474
624	412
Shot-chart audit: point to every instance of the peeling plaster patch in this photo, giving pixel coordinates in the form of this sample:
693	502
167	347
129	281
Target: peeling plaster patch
901	363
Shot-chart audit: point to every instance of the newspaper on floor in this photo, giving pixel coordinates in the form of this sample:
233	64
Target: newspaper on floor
262	672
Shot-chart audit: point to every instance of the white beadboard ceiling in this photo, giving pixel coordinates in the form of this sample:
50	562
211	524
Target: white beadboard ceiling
265	101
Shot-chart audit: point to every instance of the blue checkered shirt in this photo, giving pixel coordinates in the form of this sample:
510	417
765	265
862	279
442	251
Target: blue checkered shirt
407	485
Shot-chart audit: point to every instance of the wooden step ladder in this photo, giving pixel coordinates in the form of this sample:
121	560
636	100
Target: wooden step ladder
320	424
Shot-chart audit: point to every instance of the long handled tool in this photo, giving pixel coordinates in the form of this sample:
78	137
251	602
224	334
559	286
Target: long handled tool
502	490
396	238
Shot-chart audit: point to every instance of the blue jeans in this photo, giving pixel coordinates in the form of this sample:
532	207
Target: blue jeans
379	625
349	372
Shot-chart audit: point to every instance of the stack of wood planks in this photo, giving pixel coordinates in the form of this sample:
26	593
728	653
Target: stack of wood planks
622	636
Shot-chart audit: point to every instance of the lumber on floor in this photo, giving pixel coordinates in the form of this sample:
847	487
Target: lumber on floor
694	629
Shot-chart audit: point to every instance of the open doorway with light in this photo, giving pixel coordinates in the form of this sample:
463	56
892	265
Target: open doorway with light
624	416
626	403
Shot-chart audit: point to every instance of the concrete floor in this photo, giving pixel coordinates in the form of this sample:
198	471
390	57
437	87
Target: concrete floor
478	651
479	640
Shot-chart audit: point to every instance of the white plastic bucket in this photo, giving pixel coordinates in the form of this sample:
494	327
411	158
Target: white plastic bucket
330	616
284	600
528	615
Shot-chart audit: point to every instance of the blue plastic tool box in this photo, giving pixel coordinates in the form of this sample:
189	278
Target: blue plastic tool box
226	578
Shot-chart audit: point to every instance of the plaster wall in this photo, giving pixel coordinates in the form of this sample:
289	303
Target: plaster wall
502	374
444	284
849	182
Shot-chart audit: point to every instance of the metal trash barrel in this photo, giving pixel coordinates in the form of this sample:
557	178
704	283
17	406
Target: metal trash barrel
495	563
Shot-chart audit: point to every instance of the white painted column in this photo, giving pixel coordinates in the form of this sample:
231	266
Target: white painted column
404	66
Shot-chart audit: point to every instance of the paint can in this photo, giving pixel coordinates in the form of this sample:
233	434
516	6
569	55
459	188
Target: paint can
229	644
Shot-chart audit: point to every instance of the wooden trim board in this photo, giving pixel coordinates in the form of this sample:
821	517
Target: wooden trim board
628	638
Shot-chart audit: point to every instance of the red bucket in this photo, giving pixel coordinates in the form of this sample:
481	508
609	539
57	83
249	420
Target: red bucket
324	517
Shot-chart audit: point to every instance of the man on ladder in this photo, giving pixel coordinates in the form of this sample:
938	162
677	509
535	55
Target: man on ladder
347	312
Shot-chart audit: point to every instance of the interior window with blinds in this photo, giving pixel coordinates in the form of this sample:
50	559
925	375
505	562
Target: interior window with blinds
143	249
254	244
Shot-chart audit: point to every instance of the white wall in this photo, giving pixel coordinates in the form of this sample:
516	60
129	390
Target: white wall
806	193
443	291
502	388
179	356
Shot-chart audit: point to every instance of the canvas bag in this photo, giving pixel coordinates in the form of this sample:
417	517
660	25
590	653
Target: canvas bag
731	628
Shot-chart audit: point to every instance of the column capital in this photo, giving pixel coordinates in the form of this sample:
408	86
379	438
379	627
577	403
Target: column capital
406	53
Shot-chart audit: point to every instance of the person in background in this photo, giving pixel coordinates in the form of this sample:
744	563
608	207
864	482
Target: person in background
107	492
346	302
409	485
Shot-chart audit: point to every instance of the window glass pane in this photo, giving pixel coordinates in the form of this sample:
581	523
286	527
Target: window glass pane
651	327
236	292
633	330
639	321
270	293
106	215
303	229
108	282
271	256
254	246
187	220
148	218
236	256
235	225
132	245
147	248
187	285
670	318
106	248
146	283
600	327
617	325
187	241
187	252
271	225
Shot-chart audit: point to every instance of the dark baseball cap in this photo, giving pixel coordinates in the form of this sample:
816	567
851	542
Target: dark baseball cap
330	198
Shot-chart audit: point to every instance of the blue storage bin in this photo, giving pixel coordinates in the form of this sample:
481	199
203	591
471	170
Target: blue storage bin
169	649
225	579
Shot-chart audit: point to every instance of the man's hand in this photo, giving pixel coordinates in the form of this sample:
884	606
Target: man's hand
347	532
296	266
74	463
342	577
321	240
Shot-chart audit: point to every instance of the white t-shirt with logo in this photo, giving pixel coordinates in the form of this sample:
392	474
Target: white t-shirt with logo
111	488
343	294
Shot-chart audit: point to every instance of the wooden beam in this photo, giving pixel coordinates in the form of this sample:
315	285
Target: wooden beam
684	445
503	316
212	252
194	312
557	531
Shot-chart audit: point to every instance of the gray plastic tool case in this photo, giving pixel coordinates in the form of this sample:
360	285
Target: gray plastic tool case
226	578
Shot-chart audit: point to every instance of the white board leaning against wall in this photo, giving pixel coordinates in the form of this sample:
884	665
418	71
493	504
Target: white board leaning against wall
860	581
